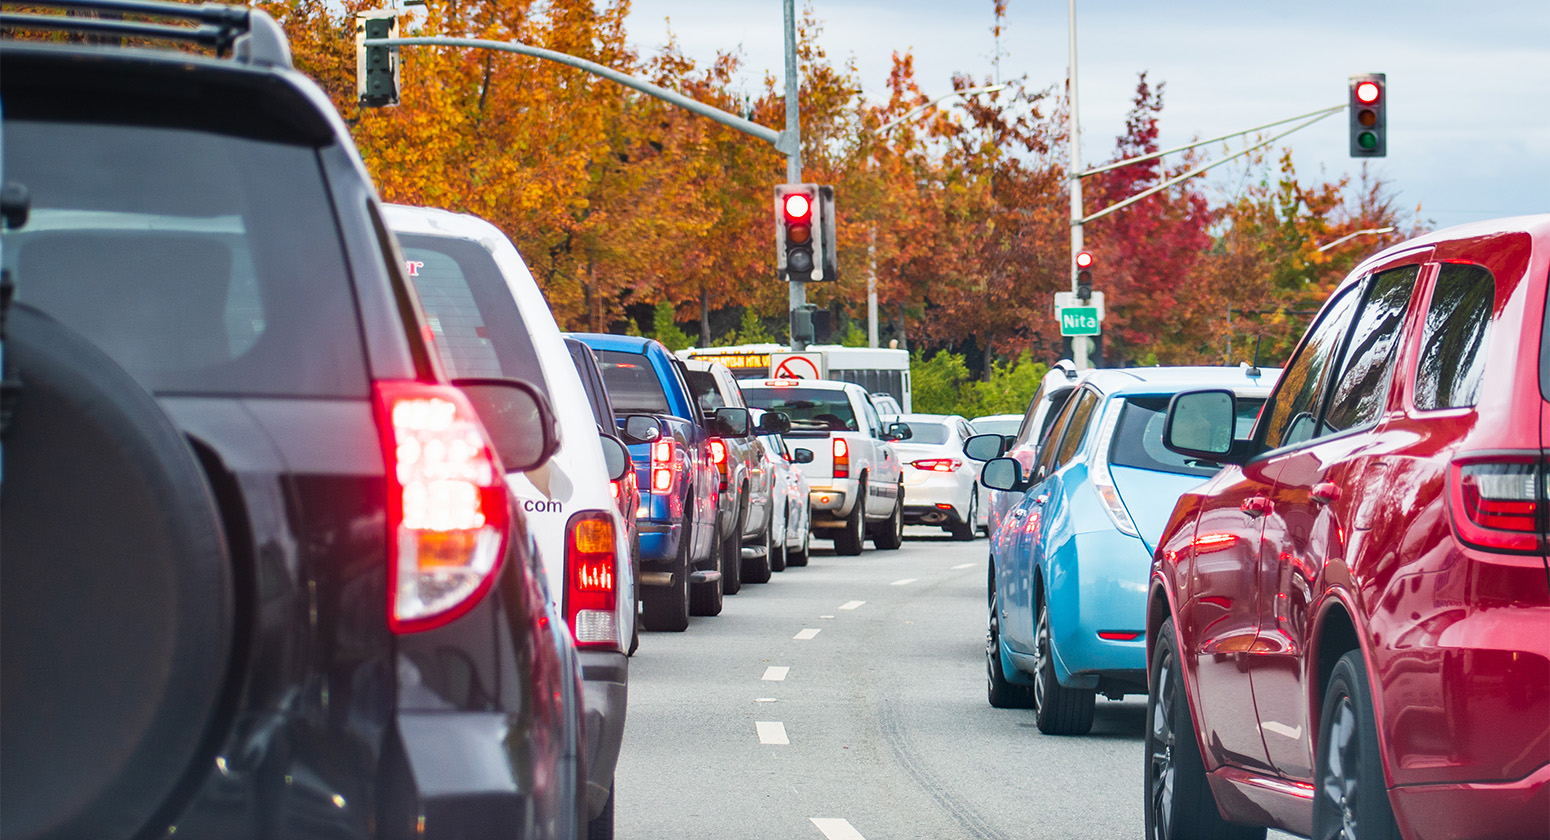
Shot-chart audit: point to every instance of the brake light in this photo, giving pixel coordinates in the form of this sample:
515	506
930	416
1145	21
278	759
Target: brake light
662	466
718	456
591	585
841	458
937	464
446	507
1497	502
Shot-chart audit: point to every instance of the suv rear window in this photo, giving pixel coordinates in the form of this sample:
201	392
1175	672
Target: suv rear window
632	384
1138	437
812	410
201	263
477	326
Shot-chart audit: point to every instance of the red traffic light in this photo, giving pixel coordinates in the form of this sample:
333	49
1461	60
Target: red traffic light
1084	260
1368	92
797	207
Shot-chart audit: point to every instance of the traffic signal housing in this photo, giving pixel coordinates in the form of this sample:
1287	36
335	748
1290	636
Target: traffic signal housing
804	233
376	68
1369	123
1084	276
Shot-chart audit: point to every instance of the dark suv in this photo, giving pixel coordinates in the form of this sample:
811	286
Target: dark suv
261	577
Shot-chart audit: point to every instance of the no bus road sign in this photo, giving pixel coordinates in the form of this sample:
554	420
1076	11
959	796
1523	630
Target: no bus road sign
797	365
1079	320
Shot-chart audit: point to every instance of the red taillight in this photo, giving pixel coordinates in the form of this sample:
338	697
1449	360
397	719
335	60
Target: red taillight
662	466
591	584
446	507
1119	635
841	458
937	464
718	456
1497	502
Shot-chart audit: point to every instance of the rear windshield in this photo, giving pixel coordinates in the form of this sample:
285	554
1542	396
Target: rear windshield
925	432
477	327
703	384
1138	437
810	409
201	263
994	427
633	386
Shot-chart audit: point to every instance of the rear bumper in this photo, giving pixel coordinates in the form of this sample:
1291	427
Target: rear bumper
835	498
1100	587
1516	810
605	687
658	542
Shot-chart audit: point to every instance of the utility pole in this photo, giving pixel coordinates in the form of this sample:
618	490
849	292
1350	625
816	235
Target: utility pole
1079	344
801	321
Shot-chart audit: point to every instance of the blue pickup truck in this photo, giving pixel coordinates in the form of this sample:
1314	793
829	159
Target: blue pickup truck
679	483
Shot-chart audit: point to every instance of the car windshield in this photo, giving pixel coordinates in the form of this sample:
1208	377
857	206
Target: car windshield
1138	438
632	383
988	426
810	409
924	431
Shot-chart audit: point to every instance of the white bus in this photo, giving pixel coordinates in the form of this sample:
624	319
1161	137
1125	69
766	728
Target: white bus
879	370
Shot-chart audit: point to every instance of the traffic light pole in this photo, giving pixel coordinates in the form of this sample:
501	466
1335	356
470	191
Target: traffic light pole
800	321
1080	345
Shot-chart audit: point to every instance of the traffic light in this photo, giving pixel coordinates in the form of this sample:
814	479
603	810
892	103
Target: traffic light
1084	276
376	68
804	233
1369	125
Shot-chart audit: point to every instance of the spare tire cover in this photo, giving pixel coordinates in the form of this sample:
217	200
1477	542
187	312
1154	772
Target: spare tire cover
115	595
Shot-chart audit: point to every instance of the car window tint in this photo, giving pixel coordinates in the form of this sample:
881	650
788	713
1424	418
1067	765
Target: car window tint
1076	430
211	265
477	326
1363	385
632	384
874	423
926	432
702	383
1295	405
1138	440
1453	339
811	410
1055	424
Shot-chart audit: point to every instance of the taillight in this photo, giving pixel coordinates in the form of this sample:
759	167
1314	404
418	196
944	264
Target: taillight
937	464
841	458
1498	502
446	507
662	466
591	582
718	456
1103	484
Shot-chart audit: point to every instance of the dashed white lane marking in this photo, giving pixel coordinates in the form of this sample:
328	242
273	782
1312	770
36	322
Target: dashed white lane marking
964	566
764	699
904	582
776	672
771	732
806	634
850	605
825	616
836	829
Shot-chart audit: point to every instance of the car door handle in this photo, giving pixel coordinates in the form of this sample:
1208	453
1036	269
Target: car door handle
1324	492
1255	506
1019	513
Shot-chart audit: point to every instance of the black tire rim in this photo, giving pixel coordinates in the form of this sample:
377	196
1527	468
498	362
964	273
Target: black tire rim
1160	739
1043	668
1339	785
898	520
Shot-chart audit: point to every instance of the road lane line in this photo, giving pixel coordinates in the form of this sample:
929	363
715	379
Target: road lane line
806	634
850	605
904	582
771	732
964	566
836	829
776	672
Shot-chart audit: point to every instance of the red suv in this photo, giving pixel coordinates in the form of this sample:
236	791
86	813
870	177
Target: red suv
1348	632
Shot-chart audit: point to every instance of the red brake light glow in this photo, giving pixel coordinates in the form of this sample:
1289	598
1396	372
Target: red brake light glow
841	458
590	581
662	466
447	505
937	464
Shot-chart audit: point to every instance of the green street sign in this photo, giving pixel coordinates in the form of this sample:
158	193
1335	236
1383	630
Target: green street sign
1079	320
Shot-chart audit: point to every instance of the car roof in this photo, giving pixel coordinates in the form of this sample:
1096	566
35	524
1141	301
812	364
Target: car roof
617	343
1017	417
825	384
1168	380
932	418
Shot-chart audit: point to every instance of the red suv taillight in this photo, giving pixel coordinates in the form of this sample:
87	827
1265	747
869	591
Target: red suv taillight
937	464
841	458
1498	502
591	584
662	466
446	507
718	456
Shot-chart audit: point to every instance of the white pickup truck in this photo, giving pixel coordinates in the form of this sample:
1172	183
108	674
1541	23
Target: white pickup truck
853	458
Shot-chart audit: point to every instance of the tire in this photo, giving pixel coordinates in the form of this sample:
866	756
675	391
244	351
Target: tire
798	556
1057	710
758	569
635	568
848	541
601	827
732	553
1179	804
889	535
966	530
666	608
1350	797
1002	693
777	553
708	598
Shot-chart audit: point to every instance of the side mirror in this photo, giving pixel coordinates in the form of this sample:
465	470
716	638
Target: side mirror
802	456
774	423
517	418
615	457
731	422
898	431
1003	474
641	428
985	447
1200	425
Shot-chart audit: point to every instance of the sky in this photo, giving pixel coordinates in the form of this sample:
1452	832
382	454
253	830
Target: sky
1468	112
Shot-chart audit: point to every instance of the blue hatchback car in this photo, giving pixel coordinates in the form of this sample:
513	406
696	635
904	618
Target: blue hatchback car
1069	563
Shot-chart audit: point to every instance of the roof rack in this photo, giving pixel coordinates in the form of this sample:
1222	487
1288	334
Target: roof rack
249	35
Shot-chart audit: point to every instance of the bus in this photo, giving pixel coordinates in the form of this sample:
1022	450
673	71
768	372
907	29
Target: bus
879	370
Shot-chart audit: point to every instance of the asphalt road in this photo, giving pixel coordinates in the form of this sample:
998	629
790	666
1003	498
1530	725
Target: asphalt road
846	700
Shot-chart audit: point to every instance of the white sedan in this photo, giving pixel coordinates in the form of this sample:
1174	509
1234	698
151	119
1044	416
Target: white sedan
941	484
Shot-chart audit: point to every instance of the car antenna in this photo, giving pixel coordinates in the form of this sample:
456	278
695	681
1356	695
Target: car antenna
1254	372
